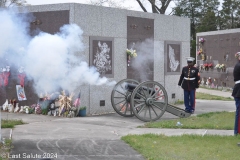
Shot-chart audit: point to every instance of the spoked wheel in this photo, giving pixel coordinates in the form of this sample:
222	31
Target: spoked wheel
149	101
121	95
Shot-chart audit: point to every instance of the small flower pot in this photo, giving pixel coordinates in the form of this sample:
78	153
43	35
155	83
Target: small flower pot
82	113
218	69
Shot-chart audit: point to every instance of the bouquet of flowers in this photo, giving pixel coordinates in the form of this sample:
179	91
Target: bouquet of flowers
131	53
26	109
217	66
210	65
201	40
200	51
205	65
222	66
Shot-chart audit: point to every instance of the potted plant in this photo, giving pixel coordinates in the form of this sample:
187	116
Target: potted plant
82	111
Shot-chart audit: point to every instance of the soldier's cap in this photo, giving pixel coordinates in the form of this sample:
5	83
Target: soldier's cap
237	54
190	59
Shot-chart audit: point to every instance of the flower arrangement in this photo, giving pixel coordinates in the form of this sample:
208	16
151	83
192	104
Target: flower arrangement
200	51
201	40
210	65
131	53
220	66
26	109
205	65
217	66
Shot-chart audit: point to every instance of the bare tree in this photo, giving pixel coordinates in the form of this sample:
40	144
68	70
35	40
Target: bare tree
109	3
10	3
158	6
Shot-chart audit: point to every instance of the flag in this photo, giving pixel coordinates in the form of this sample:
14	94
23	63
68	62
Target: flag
77	101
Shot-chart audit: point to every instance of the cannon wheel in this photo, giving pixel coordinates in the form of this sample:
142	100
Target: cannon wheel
120	98
149	101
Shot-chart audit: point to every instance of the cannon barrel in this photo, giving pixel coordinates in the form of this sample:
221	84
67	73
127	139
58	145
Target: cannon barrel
130	87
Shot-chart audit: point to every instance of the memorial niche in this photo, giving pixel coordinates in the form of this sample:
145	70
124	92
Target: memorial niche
219	50
140	35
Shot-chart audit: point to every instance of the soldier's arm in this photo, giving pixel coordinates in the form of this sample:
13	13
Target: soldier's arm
181	78
198	78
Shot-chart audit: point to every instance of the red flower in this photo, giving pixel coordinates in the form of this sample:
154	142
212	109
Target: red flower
210	65
205	65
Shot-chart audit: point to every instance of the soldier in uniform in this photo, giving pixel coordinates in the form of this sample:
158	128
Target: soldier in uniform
189	80
236	94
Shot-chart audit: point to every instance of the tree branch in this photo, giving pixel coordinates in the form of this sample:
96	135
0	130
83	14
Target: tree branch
141	5
165	4
154	5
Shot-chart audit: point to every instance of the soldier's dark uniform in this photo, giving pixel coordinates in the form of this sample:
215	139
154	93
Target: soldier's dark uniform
189	80
236	95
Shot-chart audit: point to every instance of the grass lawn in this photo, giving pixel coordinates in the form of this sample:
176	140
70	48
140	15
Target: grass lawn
185	147
219	89
10	123
189	147
212	97
212	120
205	96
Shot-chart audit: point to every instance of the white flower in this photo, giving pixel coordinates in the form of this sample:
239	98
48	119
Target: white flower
131	52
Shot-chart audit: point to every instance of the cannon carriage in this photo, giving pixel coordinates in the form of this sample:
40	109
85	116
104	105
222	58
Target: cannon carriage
148	100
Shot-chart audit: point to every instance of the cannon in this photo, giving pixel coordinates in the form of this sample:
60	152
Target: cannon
147	100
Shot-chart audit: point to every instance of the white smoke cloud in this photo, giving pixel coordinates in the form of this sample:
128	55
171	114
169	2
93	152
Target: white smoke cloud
144	59
47	58
12	32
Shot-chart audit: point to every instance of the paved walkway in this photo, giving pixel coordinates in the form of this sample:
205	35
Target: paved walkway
93	138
